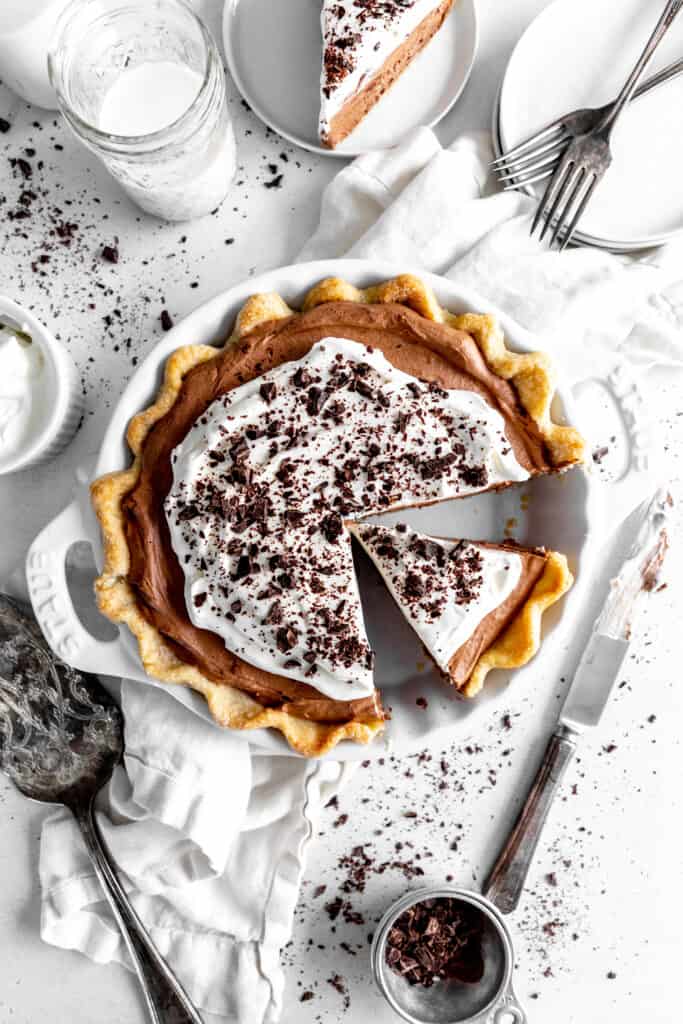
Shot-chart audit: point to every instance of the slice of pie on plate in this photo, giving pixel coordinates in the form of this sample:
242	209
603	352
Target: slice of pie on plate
475	606
367	45
226	543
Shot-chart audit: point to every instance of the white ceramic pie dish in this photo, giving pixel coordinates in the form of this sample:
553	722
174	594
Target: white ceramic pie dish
554	511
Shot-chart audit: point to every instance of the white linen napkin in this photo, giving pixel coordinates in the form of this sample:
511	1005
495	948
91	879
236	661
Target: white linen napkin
211	837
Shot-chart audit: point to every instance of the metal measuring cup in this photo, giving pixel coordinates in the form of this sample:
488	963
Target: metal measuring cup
491	1000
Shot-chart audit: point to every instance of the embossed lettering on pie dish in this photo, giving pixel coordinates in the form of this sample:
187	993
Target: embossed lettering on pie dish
226	547
475	606
367	45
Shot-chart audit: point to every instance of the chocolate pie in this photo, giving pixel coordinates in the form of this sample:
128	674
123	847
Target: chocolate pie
226	543
367	45
475	606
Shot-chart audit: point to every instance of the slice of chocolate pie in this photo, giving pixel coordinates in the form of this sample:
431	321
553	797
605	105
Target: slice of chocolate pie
226	542
475	606
367	45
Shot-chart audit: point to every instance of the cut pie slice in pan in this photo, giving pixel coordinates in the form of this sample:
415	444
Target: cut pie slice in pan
475	606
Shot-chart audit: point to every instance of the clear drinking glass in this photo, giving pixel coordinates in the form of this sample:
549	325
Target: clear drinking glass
141	83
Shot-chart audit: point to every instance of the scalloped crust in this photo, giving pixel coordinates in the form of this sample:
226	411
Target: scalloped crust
521	640
532	377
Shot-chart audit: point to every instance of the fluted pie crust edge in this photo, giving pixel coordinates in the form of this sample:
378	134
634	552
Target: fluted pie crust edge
532	377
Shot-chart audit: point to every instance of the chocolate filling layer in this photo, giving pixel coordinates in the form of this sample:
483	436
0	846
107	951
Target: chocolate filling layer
360	104
427	350
466	657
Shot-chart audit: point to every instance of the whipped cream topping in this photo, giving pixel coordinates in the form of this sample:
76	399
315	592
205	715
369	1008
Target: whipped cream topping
445	588
22	387
358	36
265	480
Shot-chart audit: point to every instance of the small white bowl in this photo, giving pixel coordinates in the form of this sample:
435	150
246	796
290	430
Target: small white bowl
61	389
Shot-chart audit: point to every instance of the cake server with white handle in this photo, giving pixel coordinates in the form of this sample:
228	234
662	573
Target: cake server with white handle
588	694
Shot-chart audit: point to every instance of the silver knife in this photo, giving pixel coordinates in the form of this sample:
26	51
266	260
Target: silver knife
594	679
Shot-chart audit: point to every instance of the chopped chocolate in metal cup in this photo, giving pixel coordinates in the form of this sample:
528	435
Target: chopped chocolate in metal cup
445	956
437	939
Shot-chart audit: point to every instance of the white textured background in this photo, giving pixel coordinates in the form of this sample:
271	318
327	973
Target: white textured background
598	934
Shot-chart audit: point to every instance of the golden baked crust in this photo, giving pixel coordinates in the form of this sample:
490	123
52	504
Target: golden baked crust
518	643
529	373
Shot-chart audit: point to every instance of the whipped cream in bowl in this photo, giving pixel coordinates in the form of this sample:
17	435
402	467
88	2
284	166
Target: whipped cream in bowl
40	396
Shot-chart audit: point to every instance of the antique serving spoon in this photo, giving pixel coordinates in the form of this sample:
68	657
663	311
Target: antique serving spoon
61	735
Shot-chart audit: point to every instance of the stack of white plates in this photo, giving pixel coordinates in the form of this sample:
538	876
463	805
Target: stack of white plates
578	53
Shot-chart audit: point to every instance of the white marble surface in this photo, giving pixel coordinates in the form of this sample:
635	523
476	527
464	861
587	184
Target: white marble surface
602	943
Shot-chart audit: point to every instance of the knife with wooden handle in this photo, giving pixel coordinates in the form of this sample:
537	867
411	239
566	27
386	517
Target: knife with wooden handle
588	694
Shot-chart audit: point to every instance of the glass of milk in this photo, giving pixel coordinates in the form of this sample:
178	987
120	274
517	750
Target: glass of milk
142	85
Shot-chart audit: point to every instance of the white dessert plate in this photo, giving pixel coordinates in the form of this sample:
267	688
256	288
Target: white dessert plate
578	53
273	52
580	238
553	511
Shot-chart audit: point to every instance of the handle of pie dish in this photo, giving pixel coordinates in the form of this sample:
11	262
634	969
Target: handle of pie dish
165	998
619	392
52	604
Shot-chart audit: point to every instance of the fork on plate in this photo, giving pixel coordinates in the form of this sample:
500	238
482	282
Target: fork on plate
585	157
536	158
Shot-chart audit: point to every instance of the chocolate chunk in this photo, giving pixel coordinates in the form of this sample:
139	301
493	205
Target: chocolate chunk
331	527
475	476
187	513
285	471
199	599
239	450
315	401
23	165
244	568
437	939
302	378
403	420
364	389
413	586
110	253
274	614
166	322
286	638
268	391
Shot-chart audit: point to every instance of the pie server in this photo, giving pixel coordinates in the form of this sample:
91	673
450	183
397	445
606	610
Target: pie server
61	736
588	694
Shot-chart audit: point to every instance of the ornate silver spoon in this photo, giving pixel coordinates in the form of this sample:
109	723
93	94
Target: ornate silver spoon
61	735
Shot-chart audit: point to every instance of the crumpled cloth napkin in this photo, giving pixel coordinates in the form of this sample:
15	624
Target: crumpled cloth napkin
210	836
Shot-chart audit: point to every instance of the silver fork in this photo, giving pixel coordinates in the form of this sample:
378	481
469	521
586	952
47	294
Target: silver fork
536	157
588	156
